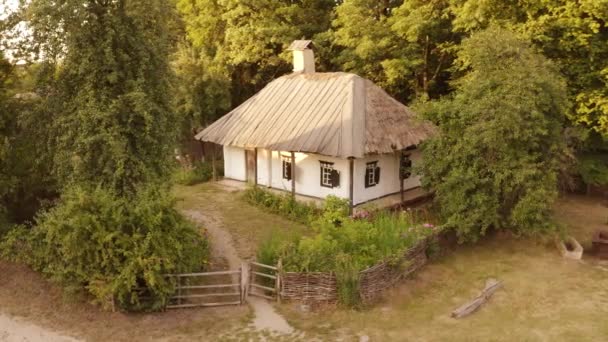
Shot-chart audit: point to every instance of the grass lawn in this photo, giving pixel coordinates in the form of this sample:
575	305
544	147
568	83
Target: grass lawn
247	224
545	297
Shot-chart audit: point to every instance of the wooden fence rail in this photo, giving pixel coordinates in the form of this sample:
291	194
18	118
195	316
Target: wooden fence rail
223	287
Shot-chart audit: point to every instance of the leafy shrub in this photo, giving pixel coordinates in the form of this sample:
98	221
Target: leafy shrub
346	245
199	172
284	205
594	169
111	246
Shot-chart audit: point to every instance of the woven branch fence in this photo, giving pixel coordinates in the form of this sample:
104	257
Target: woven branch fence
322	287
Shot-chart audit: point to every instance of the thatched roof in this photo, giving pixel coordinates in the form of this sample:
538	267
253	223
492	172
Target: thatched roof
334	114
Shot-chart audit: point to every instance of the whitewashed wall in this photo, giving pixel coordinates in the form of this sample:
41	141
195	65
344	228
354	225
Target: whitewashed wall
389	177
307	175
235	166
270	172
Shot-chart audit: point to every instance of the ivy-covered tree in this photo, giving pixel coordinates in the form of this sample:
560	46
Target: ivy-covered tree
113	124
496	160
6	179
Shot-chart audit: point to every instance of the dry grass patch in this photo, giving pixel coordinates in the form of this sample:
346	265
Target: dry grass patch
26	294
545	298
248	225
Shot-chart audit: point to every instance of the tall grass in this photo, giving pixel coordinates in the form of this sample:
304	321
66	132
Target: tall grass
283	205
346	246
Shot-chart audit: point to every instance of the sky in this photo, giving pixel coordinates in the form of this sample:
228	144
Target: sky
6	7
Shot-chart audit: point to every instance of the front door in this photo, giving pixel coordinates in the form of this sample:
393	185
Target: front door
250	157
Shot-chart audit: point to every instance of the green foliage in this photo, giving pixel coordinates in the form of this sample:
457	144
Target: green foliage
594	169
198	173
346	246
112	120
404	46
110	246
496	160
235	47
6	179
283	205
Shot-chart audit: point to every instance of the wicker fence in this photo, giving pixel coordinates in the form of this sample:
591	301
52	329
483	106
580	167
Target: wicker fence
321	287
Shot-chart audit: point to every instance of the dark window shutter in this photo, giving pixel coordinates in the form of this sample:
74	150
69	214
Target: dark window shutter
367	171
377	175
335	178
288	173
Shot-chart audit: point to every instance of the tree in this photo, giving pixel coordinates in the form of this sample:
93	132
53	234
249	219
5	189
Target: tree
235	48
571	33
496	160
404	46
113	123
6	179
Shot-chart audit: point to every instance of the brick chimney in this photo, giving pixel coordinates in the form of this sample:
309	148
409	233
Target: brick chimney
303	57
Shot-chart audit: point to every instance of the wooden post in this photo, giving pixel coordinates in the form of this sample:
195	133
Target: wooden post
277	284
293	175
213	168
255	163
399	156
244	282
179	291
351	184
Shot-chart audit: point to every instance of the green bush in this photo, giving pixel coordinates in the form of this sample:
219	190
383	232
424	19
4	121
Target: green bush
111	246
284	205
346	245
199	172
594	169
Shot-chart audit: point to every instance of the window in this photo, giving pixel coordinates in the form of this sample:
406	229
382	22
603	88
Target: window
330	178
372	174
286	167
405	166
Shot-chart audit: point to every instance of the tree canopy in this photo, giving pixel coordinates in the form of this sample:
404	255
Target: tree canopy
496	160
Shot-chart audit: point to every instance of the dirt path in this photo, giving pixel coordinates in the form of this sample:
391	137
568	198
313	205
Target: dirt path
265	316
16	330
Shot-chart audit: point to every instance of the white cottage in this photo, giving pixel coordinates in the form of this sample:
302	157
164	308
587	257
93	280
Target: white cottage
319	134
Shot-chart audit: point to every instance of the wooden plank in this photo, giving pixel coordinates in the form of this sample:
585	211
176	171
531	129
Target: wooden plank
193	287
201	304
264	275
263	287
203	274
219	294
492	285
263	265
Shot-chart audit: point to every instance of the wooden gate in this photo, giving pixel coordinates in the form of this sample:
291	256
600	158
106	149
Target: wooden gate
208	289
226	287
264	280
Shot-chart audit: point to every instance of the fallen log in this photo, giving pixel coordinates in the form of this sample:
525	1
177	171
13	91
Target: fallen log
491	286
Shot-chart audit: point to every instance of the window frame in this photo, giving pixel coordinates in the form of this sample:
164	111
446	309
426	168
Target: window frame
371	168
405	171
326	174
